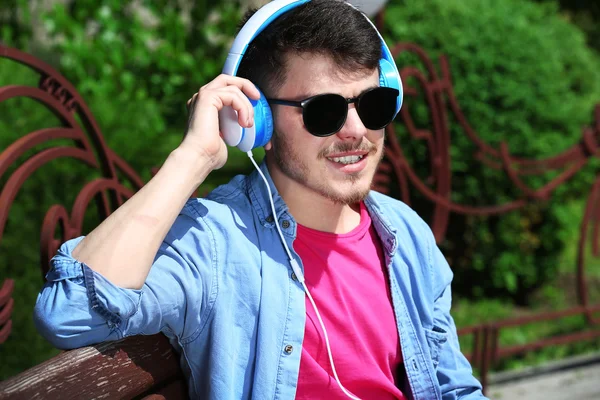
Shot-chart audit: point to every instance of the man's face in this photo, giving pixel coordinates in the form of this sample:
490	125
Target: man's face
326	166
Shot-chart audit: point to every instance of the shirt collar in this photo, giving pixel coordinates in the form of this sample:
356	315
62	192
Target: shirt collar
259	196
382	224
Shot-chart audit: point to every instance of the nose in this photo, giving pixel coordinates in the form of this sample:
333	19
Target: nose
353	129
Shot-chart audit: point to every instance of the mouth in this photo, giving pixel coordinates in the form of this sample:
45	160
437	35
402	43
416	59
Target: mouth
347	158
350	163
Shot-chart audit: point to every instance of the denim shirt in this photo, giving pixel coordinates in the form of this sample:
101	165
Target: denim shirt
222	290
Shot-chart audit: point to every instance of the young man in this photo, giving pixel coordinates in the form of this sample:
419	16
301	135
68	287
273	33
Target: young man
212	274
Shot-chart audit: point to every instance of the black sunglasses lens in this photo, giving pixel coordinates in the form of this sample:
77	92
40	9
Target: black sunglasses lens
377	107
325	114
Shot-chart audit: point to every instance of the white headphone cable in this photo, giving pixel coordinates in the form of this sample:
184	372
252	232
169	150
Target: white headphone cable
300	277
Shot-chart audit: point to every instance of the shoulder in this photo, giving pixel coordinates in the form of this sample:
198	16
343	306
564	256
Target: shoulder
399	215
221	204
224	210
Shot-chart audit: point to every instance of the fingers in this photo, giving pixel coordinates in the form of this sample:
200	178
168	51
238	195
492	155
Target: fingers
241	104
233	97
225	90
193	99
243	84
222	97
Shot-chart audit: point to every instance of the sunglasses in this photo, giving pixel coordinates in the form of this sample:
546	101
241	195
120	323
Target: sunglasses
325	114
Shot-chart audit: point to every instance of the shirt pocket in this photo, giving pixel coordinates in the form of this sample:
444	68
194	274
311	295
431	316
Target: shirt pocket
436	338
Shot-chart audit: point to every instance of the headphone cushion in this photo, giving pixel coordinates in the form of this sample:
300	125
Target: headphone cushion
263	121
388	77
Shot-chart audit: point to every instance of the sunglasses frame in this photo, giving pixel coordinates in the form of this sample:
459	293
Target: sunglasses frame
304	103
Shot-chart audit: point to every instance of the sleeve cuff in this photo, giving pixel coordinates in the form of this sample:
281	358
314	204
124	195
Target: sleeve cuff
115	304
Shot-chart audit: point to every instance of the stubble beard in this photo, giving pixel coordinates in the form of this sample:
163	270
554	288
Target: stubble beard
294	168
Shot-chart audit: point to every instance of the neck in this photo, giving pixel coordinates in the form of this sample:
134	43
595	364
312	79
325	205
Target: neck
313	210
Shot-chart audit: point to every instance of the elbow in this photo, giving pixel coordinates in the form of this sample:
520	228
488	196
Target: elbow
64	325
52	329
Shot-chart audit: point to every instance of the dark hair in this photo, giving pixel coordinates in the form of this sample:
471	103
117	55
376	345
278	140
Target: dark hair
327	27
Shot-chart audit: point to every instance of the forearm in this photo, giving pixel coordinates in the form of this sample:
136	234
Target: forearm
122	248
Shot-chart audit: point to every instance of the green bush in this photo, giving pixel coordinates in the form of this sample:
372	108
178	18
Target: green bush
143	63
584	14
524	76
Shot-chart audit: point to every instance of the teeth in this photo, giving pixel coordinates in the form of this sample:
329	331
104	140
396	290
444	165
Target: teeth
347	159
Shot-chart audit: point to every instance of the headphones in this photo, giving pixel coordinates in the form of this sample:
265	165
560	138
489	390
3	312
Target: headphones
260	133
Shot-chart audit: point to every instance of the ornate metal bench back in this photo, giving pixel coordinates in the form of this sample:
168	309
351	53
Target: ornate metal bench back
56	94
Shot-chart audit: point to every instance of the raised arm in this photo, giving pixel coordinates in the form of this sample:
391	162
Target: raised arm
133	274
123	246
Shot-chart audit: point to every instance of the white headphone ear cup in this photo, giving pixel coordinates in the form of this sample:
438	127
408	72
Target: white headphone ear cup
229	126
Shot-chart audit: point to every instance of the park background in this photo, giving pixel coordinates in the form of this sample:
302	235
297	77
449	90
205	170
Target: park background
525	72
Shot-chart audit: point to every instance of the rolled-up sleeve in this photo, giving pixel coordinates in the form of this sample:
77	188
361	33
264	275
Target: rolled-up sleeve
78	306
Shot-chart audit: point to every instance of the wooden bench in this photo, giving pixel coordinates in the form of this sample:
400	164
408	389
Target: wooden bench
140	367
146	366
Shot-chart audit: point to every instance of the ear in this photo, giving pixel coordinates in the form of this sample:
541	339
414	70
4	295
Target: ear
268	146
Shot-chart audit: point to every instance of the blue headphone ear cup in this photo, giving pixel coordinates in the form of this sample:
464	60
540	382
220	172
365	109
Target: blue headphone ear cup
260	133
388	77
263	121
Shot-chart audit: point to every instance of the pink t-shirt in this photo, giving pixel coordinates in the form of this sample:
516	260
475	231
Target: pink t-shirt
347	277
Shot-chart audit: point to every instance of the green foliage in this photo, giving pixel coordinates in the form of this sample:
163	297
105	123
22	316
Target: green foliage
143	62
15	23
584	14
523	76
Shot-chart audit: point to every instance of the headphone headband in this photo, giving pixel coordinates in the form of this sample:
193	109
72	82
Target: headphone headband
259	134
253	27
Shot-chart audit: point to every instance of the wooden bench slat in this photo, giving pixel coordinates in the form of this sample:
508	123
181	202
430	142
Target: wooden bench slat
173	391
123	370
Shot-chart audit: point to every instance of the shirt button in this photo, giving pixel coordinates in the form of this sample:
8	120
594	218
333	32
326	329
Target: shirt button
269	218
288	349
294	277
285	224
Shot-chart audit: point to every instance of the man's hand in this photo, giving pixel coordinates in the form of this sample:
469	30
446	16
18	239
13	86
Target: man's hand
203	135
